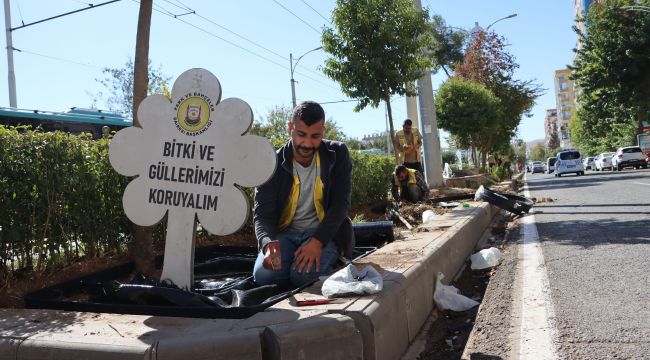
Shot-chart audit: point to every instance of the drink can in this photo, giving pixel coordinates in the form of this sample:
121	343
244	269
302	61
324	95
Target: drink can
276	258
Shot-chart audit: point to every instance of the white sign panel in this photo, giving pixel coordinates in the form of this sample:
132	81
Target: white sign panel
190	156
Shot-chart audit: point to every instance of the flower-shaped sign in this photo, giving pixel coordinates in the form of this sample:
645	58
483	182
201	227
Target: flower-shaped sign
190	157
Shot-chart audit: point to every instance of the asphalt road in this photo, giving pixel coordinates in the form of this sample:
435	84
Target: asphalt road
595	239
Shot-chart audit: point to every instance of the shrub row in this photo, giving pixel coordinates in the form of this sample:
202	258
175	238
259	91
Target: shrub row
60	199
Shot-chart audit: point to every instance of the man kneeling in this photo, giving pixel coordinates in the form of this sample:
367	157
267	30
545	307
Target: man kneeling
408	185
304	205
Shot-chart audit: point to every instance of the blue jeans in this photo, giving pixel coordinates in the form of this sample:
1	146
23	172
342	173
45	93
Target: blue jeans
290	240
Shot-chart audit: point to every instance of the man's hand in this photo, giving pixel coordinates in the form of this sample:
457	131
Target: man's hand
307	254
267	258
270	257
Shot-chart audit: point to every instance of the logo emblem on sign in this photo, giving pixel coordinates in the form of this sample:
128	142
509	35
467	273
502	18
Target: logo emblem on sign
193	116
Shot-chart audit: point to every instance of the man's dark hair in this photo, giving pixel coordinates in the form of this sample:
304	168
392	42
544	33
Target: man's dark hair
408	122
399	169
309	112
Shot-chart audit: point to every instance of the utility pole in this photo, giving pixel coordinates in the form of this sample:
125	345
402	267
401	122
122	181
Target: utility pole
292	67
429	128
10	58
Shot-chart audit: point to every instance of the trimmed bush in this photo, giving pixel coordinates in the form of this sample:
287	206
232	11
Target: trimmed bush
60	199
370	177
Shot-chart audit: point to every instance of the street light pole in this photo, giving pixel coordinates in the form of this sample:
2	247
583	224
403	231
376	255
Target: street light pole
503	18
293	66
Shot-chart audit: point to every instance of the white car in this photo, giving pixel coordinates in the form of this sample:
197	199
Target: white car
569	161
629	156
588	163
550	164
603	161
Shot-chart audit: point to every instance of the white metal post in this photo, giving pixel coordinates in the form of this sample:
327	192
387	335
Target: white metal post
429	129
10	58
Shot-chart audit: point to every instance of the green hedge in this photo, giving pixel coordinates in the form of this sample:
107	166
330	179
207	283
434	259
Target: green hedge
370	177
60	199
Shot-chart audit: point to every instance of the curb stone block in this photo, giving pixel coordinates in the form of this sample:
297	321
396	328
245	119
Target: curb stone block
76	349
240	345
332	336
383	323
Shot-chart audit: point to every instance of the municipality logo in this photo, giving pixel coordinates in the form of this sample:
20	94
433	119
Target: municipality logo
193	114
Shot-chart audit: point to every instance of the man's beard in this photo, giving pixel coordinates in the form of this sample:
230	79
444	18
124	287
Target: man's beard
305	151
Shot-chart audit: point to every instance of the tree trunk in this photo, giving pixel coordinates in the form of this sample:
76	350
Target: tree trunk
389	110
142	250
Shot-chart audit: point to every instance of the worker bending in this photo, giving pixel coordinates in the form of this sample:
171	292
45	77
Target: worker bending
408	185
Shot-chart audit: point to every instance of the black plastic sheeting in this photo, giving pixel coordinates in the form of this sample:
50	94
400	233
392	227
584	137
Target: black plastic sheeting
223	285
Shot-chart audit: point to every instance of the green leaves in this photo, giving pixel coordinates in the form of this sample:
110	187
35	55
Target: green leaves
612	70
467	110
60	199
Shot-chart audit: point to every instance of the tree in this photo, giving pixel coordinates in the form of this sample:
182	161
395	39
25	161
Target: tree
554	140
120	85
378	47
538	153
274	127
468	111
520	151
142	251
447	45
487	62
612	70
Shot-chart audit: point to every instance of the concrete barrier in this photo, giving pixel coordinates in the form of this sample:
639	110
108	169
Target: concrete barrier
380	326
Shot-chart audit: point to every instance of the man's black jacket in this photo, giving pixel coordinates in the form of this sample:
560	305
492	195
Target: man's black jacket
336	174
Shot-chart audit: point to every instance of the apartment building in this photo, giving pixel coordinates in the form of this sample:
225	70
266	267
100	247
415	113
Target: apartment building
565	100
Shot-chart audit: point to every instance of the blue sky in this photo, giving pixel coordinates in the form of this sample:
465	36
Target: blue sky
246	44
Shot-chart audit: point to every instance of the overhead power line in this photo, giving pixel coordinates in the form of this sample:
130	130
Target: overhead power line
90	6
319	14
20	12
166	12
57	58
188	9
297	17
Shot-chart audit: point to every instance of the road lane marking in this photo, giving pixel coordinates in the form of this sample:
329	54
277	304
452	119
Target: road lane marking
640	183
537	333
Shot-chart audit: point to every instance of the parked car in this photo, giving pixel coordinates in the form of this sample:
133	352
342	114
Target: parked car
537	167
569	161
550	164
629	156
603	161
588	163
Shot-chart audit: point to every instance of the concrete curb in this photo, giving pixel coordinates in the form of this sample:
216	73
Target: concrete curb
380	326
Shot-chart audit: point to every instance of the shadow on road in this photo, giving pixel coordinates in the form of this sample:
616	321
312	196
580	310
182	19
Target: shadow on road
587	234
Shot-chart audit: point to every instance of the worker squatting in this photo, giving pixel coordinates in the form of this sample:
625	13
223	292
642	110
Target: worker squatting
189	175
